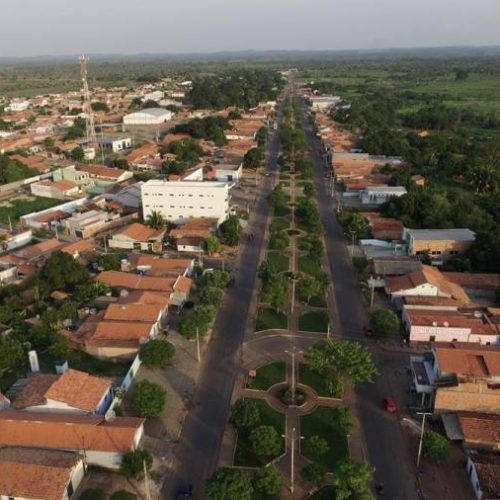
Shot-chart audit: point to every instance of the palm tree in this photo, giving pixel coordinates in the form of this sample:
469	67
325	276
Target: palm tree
156	220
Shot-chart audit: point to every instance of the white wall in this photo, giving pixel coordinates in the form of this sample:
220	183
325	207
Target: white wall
180	201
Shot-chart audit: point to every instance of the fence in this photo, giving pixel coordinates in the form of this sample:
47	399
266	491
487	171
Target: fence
126	383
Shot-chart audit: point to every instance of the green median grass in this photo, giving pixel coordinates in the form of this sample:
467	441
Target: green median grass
270	319
314	321
268	376
278	262
326	423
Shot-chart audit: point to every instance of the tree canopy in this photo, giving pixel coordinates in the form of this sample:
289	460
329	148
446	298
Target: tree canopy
157	352
229	484
148	399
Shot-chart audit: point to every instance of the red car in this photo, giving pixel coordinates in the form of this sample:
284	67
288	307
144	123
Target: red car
390	404
367	331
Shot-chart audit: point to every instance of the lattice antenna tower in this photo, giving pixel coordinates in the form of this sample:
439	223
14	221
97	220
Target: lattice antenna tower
87	105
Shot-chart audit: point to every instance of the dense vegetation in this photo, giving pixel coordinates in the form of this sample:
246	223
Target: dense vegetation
13	170
243	88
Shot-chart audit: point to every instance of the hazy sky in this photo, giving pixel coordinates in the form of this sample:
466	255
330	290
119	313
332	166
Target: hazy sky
55	27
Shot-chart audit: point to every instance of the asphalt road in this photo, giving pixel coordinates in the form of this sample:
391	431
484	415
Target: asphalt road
197	453
385	445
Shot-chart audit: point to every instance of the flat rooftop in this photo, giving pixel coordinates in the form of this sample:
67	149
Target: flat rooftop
442	234
184	184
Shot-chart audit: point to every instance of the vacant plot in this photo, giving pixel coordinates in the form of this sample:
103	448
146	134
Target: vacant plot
270	319
314	321
327	423
17	208
244	455
268	375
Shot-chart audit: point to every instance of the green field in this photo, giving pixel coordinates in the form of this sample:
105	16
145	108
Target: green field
278	262
314	321
268	375
269	319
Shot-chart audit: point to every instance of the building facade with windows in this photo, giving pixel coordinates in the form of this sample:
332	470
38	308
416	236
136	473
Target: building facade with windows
179	201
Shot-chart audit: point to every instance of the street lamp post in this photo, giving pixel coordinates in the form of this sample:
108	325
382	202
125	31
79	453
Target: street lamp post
422	430
353	236
292	456
198	350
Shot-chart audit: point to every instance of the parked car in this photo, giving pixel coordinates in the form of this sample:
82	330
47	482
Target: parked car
367	331
185	493
390	404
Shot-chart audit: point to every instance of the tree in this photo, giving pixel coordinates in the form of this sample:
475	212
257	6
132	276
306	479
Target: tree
252	158
308	189
60	271
198	321
267	481
275	291
123	495
314	473
309	287
150	103
461	75
436	447
211	245
279	240
156	220
110	261
216	278
229	484
93	494
157	352
354	223
211	295
261	136
148	399
384	323
11	353
352	480
340	361
315	448
245	414
265	441
132	465
100	106
230	230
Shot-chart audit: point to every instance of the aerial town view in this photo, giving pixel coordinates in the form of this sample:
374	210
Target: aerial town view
250	251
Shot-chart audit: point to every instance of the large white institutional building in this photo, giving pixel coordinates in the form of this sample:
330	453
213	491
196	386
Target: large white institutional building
179	201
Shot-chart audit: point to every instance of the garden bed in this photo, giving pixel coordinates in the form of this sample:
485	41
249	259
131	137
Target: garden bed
309	265
278	262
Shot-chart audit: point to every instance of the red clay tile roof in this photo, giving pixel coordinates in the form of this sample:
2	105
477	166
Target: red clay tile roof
140	232
464	359
136	281
133	312
67	431
488	471
480	427
39	249
81	246
75	388
35	473
102	171
474	280
183	284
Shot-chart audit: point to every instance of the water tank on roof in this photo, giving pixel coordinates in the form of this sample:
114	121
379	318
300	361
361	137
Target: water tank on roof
33	359
446	324
62	367
478	314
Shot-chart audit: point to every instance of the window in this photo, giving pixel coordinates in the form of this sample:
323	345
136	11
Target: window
432	338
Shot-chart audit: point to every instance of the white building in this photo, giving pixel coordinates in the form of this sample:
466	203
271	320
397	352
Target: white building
149	116
155	95
324	102
18	105
376	195
114	144
228	173
178	201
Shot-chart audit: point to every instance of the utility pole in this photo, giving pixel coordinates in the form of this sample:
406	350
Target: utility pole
353	235
146	480
198	351
422	430
292	462
328	332
10	224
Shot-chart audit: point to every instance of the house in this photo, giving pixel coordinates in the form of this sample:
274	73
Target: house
376	195
450	326
189	244
480	431
484	474
395	266
428	281
154	266
71	174
149	116
73	392
458	377
224	172
114	144
440	244
320	103
106	174
178	201
35	474
100	441
86	224
10	241
55	189
143	154
384	228
138	237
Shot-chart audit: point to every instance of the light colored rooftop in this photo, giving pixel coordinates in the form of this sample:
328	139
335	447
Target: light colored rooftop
462	234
